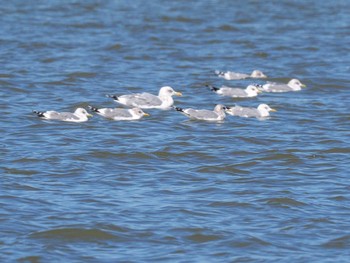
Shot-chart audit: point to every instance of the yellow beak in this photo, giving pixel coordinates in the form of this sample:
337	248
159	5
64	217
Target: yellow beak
146	114
303	85
273	110
89	115
178	93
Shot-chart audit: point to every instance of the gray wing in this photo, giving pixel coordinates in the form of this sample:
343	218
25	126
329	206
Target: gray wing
200	114
233	92
112	113
244	112
236	75
277	87
142	100
64	116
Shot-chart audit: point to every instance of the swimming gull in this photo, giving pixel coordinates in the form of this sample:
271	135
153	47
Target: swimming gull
218	114
80	115
250	91
230	75
120	114
292	85
263	110
145	100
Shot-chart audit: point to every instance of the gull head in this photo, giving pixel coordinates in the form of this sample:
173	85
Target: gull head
138	112
81	112
295	84
252	90
168	91
264	110
258	74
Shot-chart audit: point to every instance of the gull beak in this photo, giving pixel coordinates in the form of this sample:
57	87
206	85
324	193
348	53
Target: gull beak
146	114
303	85
89	115
273	110
178	93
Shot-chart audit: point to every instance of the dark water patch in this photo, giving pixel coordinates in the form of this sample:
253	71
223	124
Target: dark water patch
140	58
25	187
342	242
249	241
6	76
228	28
75	235
115	47
76	75
30	259
229	204
215	169
261	54
288	157
16	171
88	25
337	150
284	202
181	19
339	198
204	238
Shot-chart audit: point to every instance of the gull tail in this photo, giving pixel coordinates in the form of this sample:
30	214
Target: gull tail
115	97
93	108
212	88
178	109
39	113
219	73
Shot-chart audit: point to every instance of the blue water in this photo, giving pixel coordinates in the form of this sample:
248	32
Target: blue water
164	188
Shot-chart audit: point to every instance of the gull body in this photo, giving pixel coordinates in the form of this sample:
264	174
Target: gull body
262	111
79	115
230	75
120	114
292	85
250	91
146	100
218	114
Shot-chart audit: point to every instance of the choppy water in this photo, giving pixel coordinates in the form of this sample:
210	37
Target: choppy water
164	188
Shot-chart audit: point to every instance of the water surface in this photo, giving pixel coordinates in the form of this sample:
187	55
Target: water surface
164	188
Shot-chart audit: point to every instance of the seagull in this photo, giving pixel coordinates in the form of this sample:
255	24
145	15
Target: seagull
80	115
120	114
230	75
145	100
293	85
262	111
250	91
218	114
